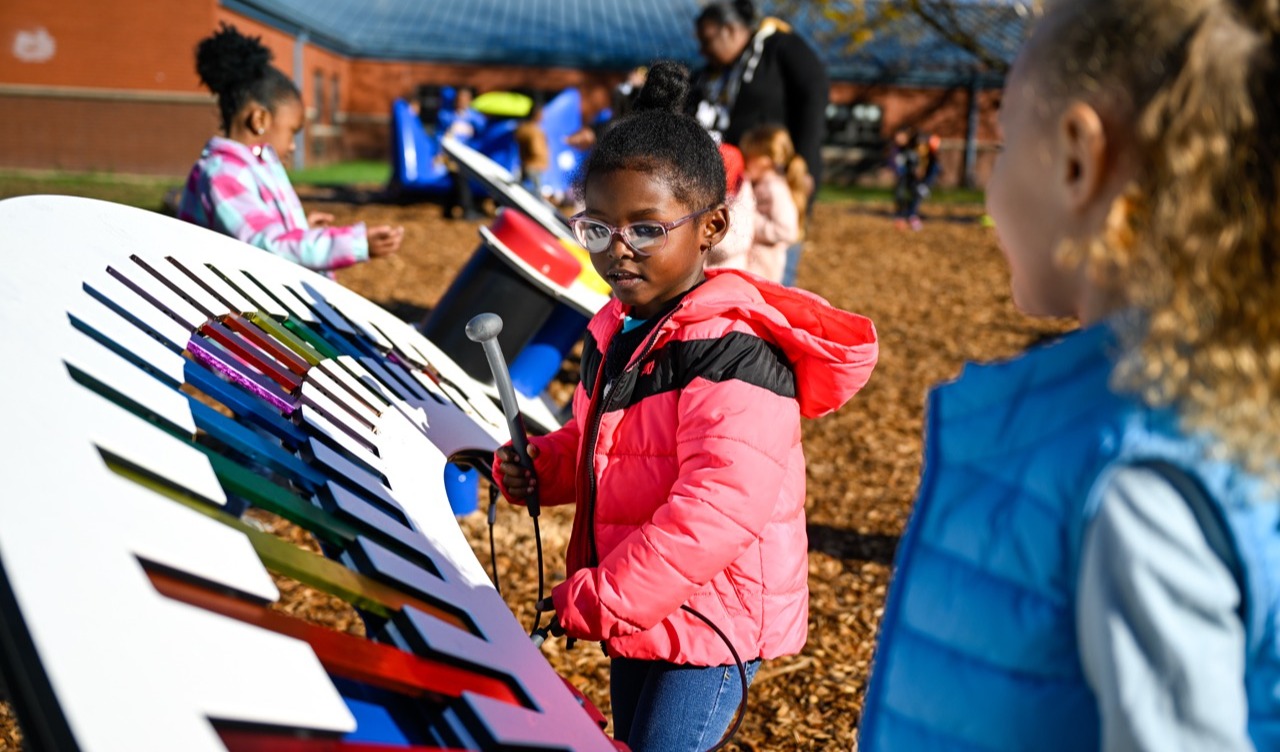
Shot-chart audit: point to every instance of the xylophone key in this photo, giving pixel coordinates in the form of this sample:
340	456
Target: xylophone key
126	340
246	287
253	445
260	359
213	284
332	389
285	336
353	476
295	307
308	333
157	294
341	374
322	428
138	311
213	356
243	404
343	654
200	299
308	296
274	347
319	401
101	370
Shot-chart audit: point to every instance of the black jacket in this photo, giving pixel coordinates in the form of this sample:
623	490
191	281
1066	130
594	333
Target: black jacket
787	87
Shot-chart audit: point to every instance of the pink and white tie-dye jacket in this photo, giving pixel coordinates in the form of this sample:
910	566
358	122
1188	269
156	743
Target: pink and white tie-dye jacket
244	192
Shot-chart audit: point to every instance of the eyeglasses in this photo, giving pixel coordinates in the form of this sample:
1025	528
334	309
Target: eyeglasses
644	238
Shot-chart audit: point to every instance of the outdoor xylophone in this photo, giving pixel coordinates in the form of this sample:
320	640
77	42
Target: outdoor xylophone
160	381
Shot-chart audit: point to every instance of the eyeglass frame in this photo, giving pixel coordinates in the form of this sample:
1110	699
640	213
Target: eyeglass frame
617	232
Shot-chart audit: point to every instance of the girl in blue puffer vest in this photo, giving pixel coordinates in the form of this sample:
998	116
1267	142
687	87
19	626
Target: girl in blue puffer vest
1093	562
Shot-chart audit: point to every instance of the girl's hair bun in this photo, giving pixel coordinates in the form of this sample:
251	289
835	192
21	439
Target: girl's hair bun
666	87
229	60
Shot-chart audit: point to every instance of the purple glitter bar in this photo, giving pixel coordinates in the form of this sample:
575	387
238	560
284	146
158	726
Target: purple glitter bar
211	356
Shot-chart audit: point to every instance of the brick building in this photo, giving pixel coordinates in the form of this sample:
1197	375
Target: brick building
110	85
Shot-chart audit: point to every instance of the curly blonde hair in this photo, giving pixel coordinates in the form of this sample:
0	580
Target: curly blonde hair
774	142
1193	241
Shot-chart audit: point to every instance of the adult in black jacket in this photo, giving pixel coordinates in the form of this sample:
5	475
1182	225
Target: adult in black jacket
759	74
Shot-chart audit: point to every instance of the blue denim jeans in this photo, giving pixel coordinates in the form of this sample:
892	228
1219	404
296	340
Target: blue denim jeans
793	264
668	707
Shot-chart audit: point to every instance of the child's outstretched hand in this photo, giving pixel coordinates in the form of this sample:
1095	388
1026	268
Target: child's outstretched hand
384	240
517	482
319	219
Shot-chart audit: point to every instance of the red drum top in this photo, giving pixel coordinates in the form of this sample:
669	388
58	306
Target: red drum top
536	246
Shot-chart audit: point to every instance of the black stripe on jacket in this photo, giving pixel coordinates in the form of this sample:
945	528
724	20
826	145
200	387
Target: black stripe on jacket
737	355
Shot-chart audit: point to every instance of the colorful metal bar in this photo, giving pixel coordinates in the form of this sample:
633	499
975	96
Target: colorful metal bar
214	357
250	331
243	404
342	654
238	740
258	358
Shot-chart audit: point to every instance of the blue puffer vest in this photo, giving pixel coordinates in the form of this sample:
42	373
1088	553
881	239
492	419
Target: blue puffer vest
978	643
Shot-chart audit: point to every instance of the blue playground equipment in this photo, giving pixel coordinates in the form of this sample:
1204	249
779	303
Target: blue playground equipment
417	169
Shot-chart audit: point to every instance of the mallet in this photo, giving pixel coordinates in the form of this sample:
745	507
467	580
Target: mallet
485	328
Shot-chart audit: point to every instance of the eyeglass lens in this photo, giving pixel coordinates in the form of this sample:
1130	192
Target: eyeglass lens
596	236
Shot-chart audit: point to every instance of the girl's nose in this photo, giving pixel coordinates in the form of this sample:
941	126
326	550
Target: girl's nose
618	247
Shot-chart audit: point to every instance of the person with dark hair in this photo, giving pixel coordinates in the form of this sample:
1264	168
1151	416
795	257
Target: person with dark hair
759	72
459	121
915	165
683	456
239	187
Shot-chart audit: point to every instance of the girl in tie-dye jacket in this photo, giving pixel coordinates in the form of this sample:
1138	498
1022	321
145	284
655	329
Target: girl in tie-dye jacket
243	192
239	186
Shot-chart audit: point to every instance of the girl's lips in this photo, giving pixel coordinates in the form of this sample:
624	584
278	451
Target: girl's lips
621	277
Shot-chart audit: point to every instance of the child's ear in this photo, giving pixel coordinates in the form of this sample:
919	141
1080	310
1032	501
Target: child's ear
714	226
257	119
1083	169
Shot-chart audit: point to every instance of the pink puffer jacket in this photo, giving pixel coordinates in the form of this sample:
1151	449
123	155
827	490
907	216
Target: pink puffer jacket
689	478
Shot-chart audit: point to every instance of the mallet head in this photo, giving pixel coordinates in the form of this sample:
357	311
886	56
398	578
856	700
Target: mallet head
484	327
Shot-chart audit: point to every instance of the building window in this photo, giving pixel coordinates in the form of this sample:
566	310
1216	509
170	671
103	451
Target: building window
335	99
318	88
856	124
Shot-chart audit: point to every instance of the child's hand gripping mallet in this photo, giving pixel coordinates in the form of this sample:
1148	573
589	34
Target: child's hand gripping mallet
485	329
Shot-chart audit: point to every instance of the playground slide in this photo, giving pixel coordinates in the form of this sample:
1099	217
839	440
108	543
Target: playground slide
416	166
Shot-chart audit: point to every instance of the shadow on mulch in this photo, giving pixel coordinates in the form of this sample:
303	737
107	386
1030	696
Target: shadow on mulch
850	545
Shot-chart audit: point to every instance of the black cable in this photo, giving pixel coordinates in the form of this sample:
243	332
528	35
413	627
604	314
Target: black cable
537	605
742	674
493	549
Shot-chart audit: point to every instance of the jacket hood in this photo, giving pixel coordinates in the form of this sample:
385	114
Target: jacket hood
832	351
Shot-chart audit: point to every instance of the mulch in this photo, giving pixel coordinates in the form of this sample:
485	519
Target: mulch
939	297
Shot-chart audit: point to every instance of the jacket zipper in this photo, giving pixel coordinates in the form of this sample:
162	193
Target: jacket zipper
593	433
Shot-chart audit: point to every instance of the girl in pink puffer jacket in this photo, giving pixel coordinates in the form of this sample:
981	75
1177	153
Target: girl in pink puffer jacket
683	456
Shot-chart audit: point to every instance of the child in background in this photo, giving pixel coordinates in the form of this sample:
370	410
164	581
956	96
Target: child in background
683	456
915	167
460	122
1094	559
239	186
781	184
733	250
535	154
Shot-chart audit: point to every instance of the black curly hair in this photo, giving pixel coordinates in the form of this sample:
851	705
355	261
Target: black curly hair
238	69
657	138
